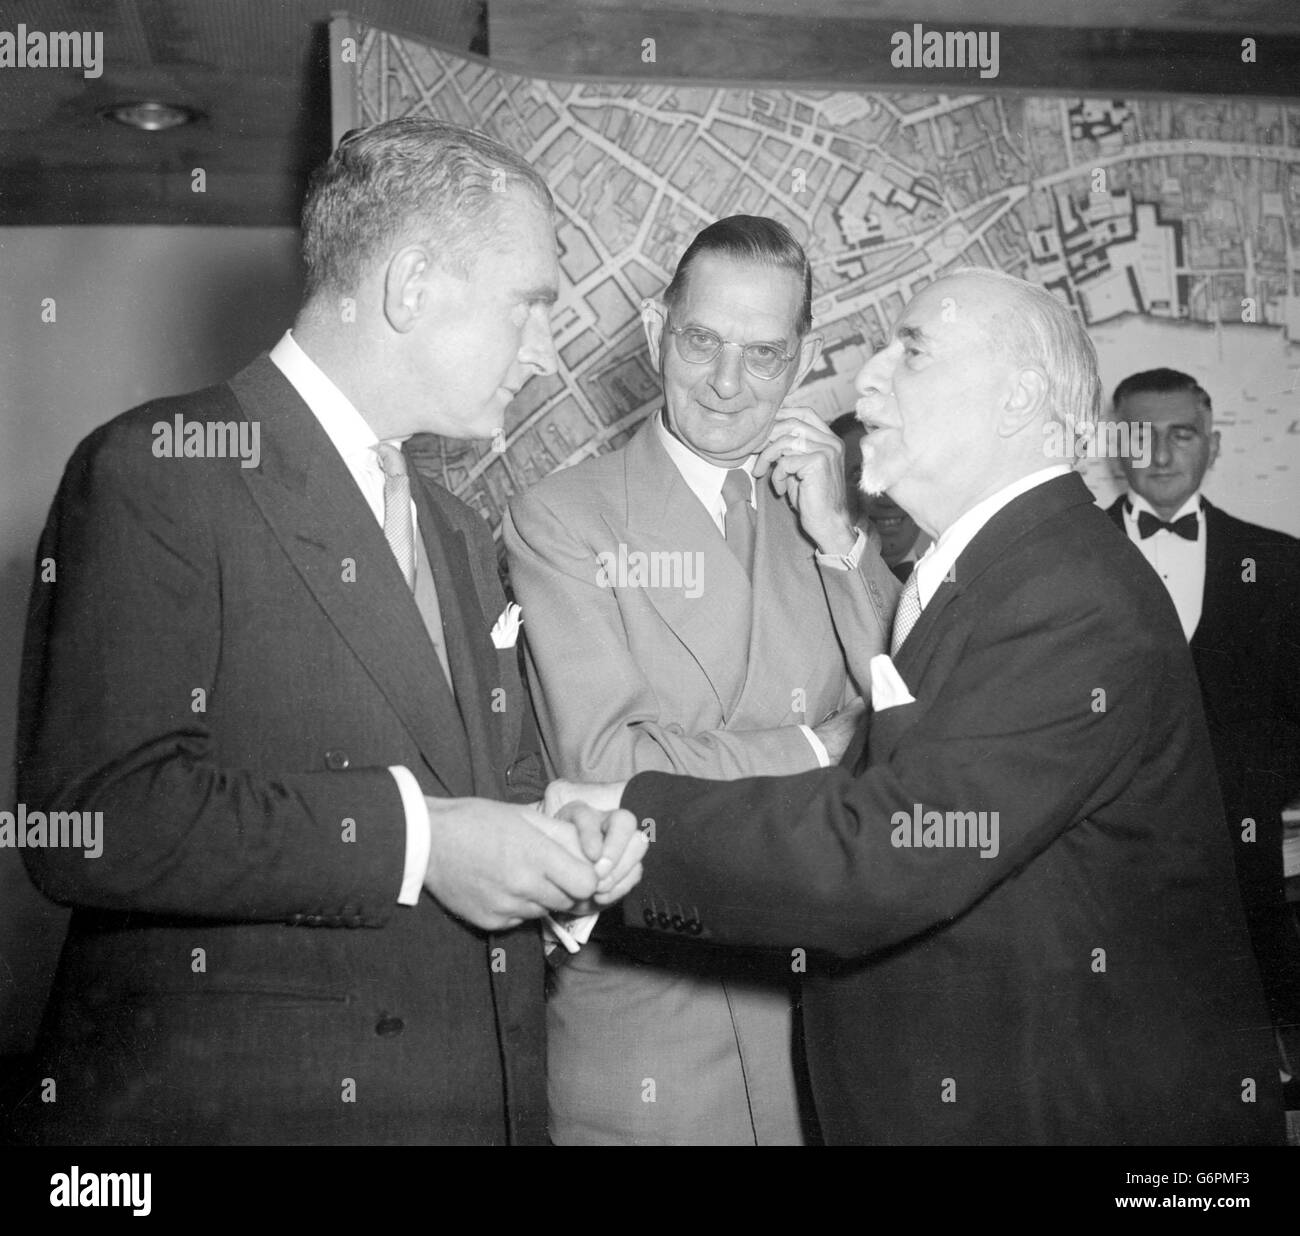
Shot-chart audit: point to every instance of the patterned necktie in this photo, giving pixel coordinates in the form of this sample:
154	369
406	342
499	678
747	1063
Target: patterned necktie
1149	525
909	610
736	490
399	528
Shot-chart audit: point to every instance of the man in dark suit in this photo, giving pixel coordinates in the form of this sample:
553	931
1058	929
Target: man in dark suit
275	679
1236	587
1018	914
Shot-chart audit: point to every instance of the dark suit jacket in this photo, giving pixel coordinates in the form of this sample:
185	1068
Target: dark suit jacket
237	967
1246	648
1092	982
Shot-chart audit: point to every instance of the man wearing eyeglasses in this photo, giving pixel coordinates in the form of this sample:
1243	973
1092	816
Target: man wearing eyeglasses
697	602
1236	587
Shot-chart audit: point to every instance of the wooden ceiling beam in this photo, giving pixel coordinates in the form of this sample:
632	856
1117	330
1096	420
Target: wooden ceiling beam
850	52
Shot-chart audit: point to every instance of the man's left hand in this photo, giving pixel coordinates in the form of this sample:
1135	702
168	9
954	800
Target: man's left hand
608	837
807	464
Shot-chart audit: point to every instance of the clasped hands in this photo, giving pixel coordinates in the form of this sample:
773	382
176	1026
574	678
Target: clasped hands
497	864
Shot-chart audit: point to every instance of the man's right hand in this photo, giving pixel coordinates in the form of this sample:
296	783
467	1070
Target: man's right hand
837	731
497	865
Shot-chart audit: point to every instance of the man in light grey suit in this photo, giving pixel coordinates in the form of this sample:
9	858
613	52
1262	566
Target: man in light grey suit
680	617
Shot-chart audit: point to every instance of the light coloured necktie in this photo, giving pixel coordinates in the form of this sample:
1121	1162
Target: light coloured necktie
909	610
399	527
399	530
736	490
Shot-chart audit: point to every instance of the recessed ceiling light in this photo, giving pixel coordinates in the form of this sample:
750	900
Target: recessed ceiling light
151	115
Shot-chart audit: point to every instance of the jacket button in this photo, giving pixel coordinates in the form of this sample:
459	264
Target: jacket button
313	920
336	760
649	915
694	926
389	1026
662	919
678	922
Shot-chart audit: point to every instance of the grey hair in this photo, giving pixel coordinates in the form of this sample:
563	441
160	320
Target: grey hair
1052	339
413	178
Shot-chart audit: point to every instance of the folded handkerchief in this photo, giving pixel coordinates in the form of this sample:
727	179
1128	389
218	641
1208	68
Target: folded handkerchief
505	631
888	689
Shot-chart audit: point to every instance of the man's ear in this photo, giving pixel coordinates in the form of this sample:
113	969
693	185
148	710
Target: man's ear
654	319
1214	450
1025	403
410	282
809	350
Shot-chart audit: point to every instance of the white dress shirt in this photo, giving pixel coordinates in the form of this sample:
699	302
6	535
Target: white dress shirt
1180	563
355	441
938	560
704	480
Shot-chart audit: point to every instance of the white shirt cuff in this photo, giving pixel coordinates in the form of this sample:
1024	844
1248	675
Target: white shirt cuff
418	840
844	562
819	748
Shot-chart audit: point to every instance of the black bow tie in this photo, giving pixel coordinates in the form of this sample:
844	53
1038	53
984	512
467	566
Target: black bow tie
1149	525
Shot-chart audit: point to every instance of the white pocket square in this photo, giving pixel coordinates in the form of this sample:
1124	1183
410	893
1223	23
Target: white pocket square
505	631
888	689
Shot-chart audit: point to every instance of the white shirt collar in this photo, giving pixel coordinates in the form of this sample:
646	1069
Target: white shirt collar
702	477
347	428
938	560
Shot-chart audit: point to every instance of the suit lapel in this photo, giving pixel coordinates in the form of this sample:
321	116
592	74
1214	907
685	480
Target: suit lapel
1116	513
470	654
664	515
1018	518
1220	563
324	525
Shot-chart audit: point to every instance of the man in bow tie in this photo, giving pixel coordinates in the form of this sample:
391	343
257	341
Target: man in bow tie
1236	587
1018	912
310	922
730	668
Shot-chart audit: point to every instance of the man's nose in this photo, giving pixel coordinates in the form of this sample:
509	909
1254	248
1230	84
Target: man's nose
726	377
876	376
538	348
1160	448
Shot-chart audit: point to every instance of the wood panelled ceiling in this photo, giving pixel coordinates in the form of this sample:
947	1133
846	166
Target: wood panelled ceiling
257	70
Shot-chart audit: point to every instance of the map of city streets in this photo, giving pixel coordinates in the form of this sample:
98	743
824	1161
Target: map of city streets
1172	209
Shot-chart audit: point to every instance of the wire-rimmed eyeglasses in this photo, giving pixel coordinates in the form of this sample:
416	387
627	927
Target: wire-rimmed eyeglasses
698	346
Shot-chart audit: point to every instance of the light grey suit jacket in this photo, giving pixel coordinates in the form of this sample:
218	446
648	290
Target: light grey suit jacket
649	649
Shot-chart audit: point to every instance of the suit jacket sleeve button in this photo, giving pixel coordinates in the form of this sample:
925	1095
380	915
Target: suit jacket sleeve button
678	922
386	1027
662	919
336	760
649	915
694	926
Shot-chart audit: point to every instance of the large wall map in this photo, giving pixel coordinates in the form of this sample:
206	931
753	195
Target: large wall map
1173	225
